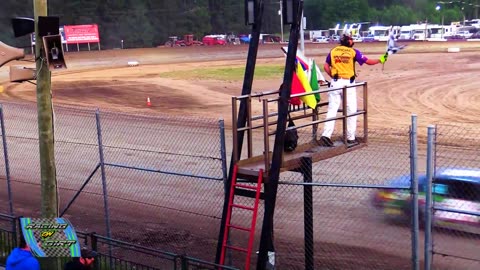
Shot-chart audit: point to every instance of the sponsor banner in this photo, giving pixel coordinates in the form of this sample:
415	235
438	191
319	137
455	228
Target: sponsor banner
87	33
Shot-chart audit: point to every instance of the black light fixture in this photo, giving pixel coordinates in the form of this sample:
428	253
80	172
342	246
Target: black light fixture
250	11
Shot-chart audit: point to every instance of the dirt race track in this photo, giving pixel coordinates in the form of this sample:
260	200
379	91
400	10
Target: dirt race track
439	87
423	79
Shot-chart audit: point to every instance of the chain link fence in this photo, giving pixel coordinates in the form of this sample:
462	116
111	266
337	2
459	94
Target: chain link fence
161	178
456	235
346	230
172	166
349	231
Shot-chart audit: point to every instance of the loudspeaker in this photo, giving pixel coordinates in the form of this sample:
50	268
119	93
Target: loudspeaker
8	53
21	74
48	26
54	52
23	26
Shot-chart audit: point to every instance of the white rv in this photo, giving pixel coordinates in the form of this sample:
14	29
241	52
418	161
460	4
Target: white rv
449	31
452	30
421	31
380	33
406	33
437	32
314	34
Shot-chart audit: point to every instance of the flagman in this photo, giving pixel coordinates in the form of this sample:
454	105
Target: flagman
340	66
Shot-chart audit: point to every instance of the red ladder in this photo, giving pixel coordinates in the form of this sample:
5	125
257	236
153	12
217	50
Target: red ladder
229	226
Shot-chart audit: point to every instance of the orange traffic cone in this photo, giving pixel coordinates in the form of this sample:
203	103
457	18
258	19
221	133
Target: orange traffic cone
148	102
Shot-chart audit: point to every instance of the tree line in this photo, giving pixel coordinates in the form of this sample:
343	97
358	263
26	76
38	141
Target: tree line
147	23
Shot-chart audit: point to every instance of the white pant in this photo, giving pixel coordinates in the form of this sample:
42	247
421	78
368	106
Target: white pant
334	101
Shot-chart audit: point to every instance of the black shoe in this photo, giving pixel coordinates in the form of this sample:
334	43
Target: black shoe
352	142
326	141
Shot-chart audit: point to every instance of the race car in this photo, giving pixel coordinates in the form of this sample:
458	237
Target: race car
456	189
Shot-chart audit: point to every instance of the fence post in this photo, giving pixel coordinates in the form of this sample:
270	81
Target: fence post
16	233
344	114
223	149
428	200
7	163
94	243
414	192
223	155
434	152
104	179
308	211
183	263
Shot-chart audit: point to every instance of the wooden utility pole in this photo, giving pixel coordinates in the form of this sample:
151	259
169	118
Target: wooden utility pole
45	121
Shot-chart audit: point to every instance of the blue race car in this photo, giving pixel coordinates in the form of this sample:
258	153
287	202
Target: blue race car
453	188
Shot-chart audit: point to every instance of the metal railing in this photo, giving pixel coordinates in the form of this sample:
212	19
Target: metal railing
8	237
148	257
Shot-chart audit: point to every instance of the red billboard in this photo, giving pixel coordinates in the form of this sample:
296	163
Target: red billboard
87	33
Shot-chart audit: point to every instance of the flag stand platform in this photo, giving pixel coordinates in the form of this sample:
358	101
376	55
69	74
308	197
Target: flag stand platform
258	129
292	161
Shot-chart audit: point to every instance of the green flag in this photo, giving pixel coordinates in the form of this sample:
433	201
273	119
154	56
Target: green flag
314	80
